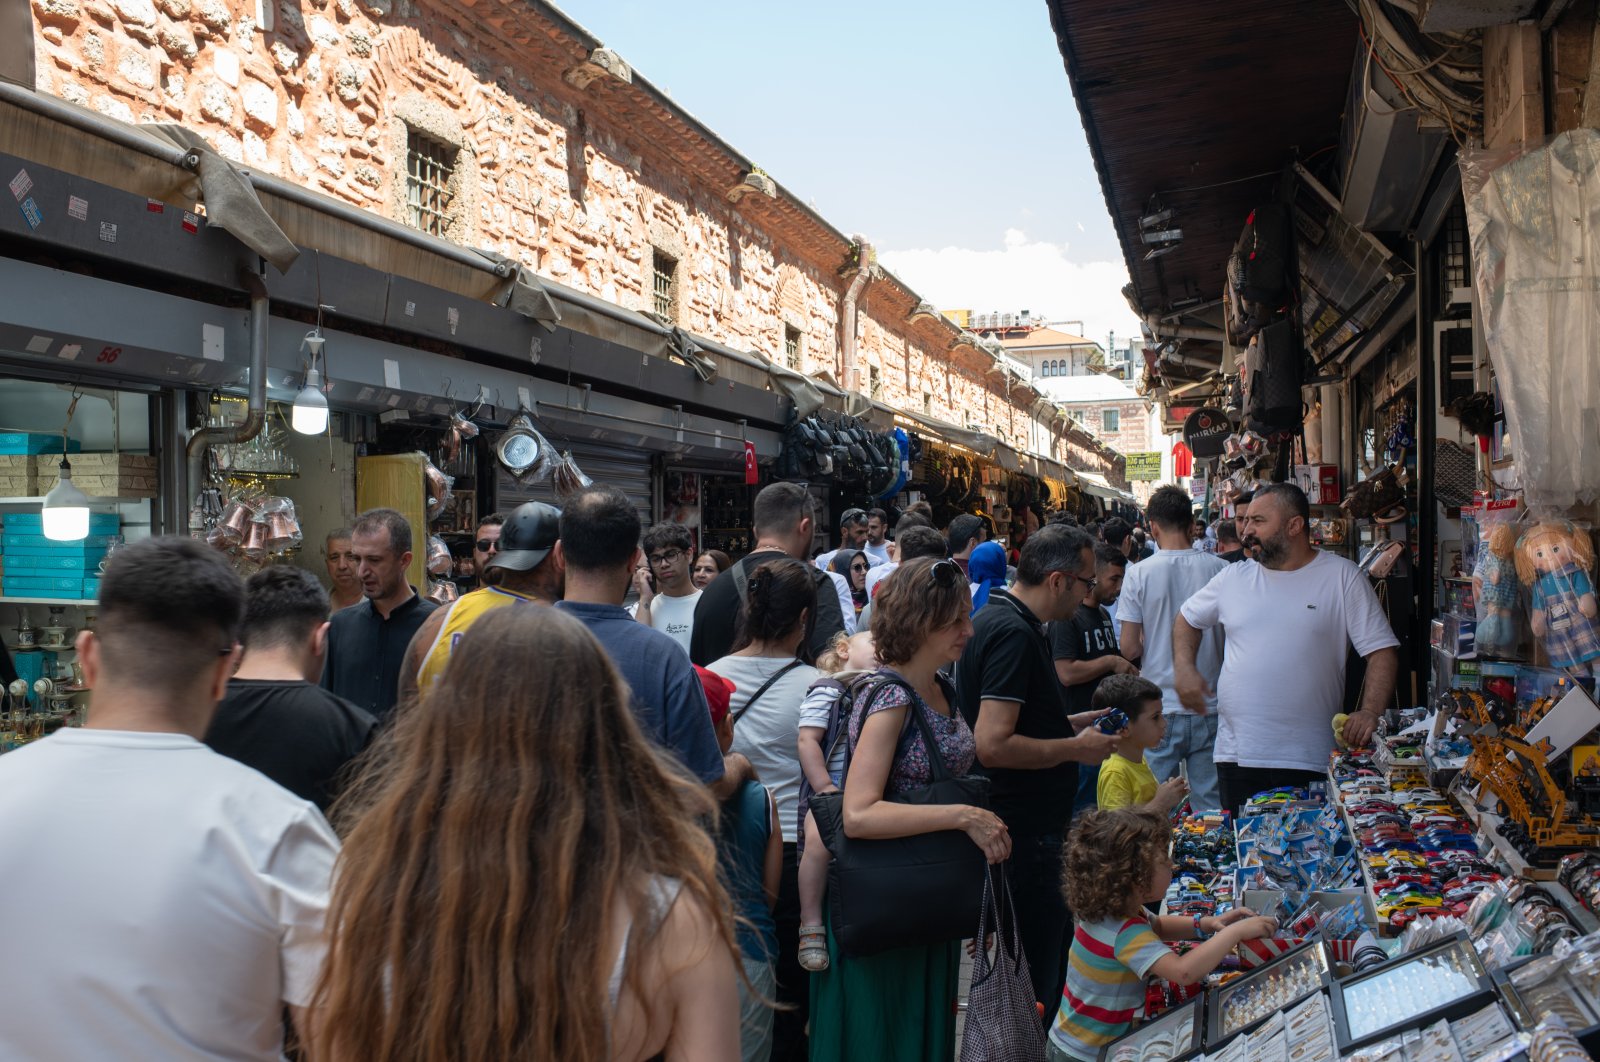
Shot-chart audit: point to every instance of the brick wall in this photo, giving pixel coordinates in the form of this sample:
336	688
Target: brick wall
582	185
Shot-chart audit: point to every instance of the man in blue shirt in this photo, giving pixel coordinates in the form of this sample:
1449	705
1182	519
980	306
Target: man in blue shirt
600	548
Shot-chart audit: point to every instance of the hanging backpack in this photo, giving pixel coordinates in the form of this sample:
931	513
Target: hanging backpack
1260	267
1274	374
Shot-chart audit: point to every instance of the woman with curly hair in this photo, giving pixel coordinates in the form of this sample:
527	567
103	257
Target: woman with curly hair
525	876
1116	862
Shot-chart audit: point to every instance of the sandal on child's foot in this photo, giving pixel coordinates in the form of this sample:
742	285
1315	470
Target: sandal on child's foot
814	948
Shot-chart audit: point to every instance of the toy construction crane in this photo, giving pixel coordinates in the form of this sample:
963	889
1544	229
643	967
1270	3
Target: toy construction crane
1516	771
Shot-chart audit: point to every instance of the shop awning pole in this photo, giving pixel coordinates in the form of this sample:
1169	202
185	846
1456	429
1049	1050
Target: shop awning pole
256	405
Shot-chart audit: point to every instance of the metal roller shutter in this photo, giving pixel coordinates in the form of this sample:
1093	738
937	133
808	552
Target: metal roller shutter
627	470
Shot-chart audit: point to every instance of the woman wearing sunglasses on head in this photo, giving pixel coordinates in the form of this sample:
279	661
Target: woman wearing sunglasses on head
900	1004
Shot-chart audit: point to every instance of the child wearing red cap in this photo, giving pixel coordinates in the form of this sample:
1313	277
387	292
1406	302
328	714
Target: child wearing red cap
750	850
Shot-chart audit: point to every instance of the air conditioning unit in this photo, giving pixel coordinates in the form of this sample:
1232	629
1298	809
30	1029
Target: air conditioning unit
1386	155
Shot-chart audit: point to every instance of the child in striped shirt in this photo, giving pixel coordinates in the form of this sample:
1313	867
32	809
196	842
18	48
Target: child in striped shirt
1116	861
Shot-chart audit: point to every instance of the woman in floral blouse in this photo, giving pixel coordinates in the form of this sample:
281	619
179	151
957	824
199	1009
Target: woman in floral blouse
900	1005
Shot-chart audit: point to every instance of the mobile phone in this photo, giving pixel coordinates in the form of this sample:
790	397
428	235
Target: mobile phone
1113	722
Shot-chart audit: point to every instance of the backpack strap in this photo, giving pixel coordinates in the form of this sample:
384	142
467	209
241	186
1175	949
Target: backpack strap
764	687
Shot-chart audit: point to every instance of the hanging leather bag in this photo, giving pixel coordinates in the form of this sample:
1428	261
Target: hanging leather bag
904	891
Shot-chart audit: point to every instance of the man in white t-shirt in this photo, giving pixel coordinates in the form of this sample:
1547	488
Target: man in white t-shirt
186	891
852	535
1290	621
877	545
1152	593
668	606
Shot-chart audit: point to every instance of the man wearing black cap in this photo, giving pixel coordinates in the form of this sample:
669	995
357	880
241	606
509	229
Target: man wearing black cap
523	571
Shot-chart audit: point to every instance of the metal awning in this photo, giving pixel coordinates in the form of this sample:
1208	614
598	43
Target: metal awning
1096	484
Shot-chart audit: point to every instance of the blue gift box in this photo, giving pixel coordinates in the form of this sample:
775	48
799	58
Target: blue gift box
51	595
33	524
80	563
27	584
31	545
13	443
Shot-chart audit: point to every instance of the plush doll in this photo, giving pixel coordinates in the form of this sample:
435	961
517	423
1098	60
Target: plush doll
1554	560
1496	585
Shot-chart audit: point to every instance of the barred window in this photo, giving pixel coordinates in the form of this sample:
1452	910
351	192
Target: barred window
1110	419
663	269
791	347
430	168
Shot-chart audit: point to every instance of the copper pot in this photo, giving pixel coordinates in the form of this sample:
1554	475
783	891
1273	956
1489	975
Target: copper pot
282	531
236	520
255	542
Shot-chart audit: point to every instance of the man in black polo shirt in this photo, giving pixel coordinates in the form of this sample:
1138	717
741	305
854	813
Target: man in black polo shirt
367	642
1007	688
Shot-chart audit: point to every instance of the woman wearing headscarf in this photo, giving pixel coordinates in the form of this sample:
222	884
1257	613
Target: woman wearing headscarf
986	569
853	565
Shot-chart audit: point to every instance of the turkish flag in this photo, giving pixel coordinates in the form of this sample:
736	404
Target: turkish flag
752	474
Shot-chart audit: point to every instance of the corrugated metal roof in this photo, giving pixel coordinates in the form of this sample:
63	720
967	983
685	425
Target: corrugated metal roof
1194	101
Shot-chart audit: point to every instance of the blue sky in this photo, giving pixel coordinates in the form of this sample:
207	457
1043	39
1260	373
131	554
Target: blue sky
945	132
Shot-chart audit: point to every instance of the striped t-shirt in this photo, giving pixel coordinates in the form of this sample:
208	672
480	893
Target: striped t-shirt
1105	983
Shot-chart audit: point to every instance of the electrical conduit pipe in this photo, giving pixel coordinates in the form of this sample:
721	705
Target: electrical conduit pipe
256	403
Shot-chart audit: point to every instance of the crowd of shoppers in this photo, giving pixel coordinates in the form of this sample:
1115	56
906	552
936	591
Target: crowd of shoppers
561	838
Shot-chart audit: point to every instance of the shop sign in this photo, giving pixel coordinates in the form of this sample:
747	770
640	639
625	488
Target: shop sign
1205	430
1143	466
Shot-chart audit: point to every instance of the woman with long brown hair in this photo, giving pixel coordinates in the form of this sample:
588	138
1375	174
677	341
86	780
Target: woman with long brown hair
524	875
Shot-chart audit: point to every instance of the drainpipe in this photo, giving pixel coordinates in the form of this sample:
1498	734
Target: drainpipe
847	314
256	406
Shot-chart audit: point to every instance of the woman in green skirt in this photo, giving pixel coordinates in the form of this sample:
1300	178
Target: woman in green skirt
900	1006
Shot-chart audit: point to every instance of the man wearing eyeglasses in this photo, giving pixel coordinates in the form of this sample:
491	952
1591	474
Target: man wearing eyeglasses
1008	690
667	596
486	544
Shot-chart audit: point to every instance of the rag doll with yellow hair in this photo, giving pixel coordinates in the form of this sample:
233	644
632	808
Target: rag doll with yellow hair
1554	560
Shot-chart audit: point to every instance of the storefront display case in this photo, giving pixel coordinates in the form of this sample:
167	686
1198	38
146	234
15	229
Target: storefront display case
1176	1034
1244	1002
1446	981
1540	985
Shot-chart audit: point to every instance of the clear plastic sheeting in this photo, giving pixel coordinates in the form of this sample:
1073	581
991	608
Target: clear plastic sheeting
1534	217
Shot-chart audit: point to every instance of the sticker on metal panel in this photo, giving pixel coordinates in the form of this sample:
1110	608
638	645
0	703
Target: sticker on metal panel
20	184
30	211
191	222
391	373
213	342
411	308
155	206
77	208
70	351
39	344
108	232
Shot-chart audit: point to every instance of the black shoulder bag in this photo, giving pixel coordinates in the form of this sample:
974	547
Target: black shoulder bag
904	891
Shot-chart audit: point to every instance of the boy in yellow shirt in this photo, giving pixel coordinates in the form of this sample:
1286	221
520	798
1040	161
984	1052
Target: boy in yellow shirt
1125	780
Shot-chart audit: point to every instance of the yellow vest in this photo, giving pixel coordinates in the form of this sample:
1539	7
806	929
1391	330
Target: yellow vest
464	612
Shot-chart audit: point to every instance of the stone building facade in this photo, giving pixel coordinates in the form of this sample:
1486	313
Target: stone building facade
509	128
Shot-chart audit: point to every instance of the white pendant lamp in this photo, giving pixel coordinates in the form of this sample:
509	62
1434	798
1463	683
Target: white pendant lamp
310	414
66	509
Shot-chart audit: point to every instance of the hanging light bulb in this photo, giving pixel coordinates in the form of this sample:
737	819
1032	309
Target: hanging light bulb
310	415
65	515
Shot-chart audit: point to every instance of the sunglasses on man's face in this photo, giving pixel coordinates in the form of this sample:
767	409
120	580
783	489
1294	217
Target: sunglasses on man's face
488	545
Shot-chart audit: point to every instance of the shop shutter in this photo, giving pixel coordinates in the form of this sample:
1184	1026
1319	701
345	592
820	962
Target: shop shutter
630	471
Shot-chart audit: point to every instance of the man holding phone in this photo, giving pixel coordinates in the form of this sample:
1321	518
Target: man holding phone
667	595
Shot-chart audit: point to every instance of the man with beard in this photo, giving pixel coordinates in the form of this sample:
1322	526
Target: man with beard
1288	623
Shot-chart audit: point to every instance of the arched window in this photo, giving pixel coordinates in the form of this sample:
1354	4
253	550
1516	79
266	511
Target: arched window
1044	368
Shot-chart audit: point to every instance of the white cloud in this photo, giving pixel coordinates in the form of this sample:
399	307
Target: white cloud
1022	274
